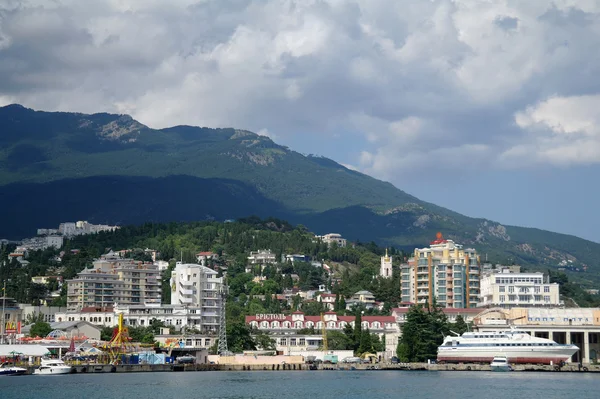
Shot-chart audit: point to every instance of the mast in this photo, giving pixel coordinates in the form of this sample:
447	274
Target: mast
3	311
222	348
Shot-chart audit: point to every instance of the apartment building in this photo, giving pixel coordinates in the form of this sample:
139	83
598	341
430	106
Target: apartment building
445	272
198	288
113	280
507	287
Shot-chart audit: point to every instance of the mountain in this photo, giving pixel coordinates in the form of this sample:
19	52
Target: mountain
105	168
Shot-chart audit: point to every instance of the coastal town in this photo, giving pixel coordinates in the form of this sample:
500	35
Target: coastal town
183	306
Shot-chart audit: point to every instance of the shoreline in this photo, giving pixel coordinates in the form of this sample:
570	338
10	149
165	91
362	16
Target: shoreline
157	368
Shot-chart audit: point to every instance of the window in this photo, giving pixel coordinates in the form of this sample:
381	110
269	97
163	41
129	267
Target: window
537	290
501	288
546	288
546	298
502	298
283	341
293	341
301	341
511	289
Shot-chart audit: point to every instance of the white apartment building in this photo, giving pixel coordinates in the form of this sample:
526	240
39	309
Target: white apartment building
503	288
112	280
333	238
445	271
262	257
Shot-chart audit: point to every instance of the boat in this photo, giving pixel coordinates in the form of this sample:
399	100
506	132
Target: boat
187	359
52	367
8	369
500	363
516	345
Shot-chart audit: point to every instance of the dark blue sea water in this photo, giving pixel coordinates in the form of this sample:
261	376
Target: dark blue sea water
309	384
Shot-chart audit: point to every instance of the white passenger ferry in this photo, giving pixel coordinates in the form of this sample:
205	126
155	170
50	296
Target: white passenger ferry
517	346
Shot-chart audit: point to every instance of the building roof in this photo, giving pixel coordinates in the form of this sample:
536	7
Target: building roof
23	350
315	319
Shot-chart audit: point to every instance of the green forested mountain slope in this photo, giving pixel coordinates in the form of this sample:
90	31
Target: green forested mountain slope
111	169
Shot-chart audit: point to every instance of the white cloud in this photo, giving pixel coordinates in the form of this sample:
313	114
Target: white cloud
418	82
561	131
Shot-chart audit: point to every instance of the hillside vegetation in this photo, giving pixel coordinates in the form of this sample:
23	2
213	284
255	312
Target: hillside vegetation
112	169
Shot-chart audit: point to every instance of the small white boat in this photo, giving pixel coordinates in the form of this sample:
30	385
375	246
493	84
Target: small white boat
500	363
52	367
7	369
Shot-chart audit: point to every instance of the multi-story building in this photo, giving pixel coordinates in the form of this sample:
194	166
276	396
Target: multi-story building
285	329
113	280
445	272
262	257
198	288
332	238
506	287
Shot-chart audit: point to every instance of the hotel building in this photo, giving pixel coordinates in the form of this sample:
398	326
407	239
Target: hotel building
506	287
445	271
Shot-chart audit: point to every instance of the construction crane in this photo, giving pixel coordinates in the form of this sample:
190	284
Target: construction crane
324	333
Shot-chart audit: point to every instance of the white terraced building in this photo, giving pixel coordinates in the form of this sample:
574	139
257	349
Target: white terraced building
506	289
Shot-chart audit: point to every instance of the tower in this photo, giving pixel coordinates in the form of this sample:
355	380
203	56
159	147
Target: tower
222	349
386	266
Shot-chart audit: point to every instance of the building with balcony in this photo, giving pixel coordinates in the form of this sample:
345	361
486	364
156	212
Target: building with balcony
199	289
445	272
112	280
262	257
506	287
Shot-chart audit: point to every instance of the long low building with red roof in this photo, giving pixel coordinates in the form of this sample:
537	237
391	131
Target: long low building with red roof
284	329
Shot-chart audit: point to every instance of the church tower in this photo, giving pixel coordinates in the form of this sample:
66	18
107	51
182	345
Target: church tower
386	266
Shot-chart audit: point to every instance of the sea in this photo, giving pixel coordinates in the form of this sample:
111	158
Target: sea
305	384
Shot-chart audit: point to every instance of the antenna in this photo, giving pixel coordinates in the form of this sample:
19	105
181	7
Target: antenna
222	349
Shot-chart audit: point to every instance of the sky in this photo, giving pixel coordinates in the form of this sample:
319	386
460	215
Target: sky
488	107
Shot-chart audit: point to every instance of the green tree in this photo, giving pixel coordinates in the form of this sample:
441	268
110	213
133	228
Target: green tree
239	338
337	340
264	341
459	326
40	329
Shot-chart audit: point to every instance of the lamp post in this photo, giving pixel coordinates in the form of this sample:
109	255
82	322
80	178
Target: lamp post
3	311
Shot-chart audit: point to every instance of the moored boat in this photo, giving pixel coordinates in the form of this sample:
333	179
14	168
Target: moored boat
516	345
52	367
500	363
8	369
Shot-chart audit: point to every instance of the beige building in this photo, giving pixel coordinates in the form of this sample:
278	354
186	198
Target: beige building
503	288
445	271
114	280
578	326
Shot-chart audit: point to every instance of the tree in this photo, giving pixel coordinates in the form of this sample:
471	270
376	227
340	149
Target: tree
459	326
40	329
357	331
366	345
264	341
338	341
106	333
238	338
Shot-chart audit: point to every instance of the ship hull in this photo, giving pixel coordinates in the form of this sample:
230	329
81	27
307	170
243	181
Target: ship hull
483	355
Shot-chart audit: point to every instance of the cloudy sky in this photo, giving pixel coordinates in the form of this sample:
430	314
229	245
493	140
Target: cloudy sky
490	108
